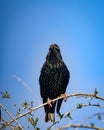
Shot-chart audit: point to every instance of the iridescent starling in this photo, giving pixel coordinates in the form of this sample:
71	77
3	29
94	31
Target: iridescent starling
53	81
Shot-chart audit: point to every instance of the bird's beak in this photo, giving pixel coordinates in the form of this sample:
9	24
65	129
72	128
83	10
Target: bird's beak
52	46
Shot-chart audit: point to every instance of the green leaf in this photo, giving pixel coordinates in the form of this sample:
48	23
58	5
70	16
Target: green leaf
89	103
37	128
6	95
60	115
25	105
17	128
68	115
99	117
18	113
80	105
19	109
95	92
36	121
31	103
3	126
30	113
33	123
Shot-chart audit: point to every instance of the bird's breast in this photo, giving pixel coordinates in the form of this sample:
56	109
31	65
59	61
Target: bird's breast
54	65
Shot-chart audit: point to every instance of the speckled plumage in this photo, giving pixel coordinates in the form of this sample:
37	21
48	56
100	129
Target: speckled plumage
53	80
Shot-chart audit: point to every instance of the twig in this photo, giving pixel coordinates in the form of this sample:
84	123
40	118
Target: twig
86	119
80	126
83	105
95	114
75	108
32	109
53	124
11	116
6	122
85	95
69	95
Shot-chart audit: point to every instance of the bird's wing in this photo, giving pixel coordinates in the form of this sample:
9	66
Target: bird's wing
42	82
63	82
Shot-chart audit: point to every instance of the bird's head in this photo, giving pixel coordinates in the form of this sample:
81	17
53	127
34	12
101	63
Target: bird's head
54	54
54	46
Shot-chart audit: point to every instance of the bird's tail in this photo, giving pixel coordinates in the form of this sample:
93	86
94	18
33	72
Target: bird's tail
59	105
50	117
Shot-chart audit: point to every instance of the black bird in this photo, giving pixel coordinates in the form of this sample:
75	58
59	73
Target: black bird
53	81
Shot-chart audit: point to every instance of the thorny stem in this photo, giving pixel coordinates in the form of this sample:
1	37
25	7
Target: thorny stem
81	126
6	122
75	108
83	105
69	95
11	116
89	117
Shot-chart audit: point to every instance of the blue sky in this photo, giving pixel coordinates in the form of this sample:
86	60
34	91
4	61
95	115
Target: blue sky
28	27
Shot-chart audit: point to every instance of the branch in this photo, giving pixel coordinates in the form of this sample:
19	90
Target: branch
86	95
6	122
83	105
80	126
89	117
78	95
75	108
11	116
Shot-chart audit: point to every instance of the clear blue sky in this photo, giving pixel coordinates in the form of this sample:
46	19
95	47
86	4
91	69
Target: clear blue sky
28	27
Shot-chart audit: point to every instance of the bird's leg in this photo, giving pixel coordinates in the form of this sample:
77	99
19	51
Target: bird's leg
65	96
49	102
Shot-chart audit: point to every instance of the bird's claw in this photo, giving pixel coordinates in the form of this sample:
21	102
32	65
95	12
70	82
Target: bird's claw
65	96
49	102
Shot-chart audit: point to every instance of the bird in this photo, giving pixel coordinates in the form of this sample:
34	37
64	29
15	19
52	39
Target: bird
53	81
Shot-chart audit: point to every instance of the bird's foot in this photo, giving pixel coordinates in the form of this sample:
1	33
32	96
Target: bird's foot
49	102
65	96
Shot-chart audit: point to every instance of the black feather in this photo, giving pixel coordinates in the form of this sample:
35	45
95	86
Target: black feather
53	79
